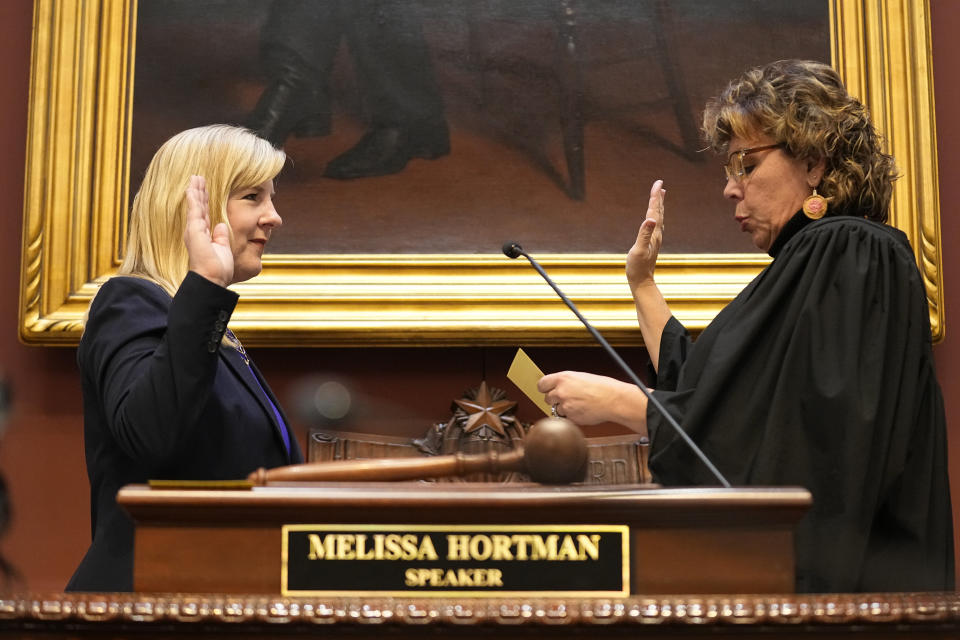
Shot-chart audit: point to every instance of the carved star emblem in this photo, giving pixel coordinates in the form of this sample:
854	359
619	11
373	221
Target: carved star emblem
482	411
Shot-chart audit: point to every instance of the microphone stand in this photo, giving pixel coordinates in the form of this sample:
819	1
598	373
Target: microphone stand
513	250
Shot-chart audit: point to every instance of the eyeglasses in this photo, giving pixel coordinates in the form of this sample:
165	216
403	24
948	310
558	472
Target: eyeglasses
734	168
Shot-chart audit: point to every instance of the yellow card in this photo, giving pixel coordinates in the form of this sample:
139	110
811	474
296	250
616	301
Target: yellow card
525	374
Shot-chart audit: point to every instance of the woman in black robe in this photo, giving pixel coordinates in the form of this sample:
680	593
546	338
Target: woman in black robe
820	373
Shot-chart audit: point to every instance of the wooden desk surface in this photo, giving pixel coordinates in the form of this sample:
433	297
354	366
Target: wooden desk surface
417	500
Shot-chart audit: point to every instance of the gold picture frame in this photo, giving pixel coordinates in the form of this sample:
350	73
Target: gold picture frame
76	198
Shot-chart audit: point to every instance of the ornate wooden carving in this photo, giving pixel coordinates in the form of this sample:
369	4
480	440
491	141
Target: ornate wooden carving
483	420
908	615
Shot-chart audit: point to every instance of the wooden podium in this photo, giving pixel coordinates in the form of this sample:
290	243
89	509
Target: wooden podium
676	541
703	563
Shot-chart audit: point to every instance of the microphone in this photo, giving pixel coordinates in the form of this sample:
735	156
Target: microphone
513	250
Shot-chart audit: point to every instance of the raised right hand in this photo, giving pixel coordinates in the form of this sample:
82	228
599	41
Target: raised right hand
209	254
642	257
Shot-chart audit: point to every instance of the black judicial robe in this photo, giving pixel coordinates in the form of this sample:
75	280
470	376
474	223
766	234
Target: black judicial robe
820	374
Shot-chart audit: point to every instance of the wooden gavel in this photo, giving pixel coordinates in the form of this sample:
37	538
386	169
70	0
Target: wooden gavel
554	452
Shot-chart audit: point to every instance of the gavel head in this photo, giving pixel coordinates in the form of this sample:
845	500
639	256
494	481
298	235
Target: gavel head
555	452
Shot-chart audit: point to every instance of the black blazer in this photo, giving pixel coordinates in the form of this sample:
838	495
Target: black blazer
162	399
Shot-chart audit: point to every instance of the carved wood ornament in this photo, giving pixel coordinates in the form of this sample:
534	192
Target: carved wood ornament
927	615
483	421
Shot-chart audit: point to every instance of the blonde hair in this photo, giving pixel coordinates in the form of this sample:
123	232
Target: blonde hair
804	105
229	158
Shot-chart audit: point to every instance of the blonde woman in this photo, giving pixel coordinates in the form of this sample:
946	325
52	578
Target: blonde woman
168	391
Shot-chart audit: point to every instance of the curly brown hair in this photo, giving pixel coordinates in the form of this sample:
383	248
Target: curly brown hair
804	106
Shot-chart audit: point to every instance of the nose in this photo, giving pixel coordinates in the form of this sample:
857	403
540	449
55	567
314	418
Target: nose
732	190
270	217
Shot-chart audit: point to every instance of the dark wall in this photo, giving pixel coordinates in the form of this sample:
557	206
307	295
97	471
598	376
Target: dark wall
946	57
41	455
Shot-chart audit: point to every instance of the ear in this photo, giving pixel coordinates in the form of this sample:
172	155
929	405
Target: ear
816	167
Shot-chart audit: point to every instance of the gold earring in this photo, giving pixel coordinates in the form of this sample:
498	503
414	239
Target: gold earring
815	206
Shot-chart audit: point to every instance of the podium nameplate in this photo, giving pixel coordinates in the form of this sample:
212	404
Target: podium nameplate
438	560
